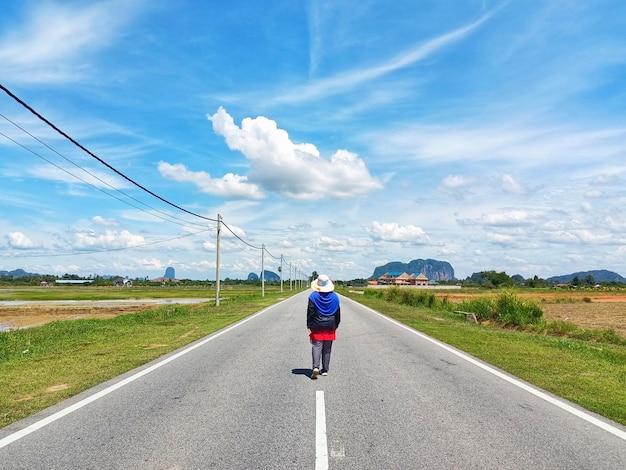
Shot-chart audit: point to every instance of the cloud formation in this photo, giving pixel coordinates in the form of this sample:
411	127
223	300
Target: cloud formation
393	232
53	42
290	169
228	186
20	241
110	239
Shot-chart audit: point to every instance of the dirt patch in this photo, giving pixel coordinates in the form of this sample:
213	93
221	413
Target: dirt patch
57	388
35	314
596	315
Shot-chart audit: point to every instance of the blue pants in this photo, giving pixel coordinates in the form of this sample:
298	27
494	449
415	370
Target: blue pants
321	350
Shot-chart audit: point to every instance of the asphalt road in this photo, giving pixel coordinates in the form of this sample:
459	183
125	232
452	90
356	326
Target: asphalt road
242	399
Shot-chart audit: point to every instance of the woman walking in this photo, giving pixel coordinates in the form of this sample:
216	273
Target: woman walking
322	319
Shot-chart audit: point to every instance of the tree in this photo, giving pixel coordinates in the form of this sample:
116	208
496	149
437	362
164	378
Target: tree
491	279
589	280
536	282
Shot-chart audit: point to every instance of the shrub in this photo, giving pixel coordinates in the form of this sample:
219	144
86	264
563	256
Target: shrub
408	296
507	308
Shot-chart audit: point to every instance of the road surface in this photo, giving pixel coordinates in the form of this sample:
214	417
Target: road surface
242	399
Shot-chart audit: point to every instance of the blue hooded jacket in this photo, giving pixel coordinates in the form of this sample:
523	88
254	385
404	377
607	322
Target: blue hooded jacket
326	303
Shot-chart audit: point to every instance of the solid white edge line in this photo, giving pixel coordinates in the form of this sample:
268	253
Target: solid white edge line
76	406
321	445
538	393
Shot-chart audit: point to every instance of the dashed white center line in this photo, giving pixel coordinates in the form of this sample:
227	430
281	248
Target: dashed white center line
321	445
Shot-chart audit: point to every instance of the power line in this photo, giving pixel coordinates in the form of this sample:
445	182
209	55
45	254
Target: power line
271	255
184	222
239	238
89	173
29	108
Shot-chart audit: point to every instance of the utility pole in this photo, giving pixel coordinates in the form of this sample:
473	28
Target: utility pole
217	263
281	272
262	270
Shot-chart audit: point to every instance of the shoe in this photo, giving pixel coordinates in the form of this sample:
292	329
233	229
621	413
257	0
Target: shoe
324	372
315	373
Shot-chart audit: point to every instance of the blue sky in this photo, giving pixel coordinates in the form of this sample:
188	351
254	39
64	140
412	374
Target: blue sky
339	134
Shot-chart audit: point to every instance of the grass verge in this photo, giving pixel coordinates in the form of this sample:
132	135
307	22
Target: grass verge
589	373
44	365
119	293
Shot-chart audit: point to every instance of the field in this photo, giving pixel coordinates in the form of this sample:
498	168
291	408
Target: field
38	314
588	309
34	306
603	315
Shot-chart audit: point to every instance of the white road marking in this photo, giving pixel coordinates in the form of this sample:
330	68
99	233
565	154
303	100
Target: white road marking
321	446
538	393
76	406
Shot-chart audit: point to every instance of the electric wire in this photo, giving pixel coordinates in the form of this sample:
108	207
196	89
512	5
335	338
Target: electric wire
184	222
239	238
89	152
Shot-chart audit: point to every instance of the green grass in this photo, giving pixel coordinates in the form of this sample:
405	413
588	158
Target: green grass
589	373
122	293
44	365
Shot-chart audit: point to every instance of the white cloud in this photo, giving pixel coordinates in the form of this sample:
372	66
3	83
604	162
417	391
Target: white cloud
55	41
359	242
606	179
499	238
152	263
229	186
352	78
511	186
105	222
456	181
509	218
392	232
330	244
109	240
594	194
294	170
524	144
300	226
202	266
232	231
20	241
209	246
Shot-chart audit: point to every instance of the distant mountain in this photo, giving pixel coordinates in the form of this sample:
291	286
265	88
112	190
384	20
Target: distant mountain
170	273
17	273
434	270
601	275
269	276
